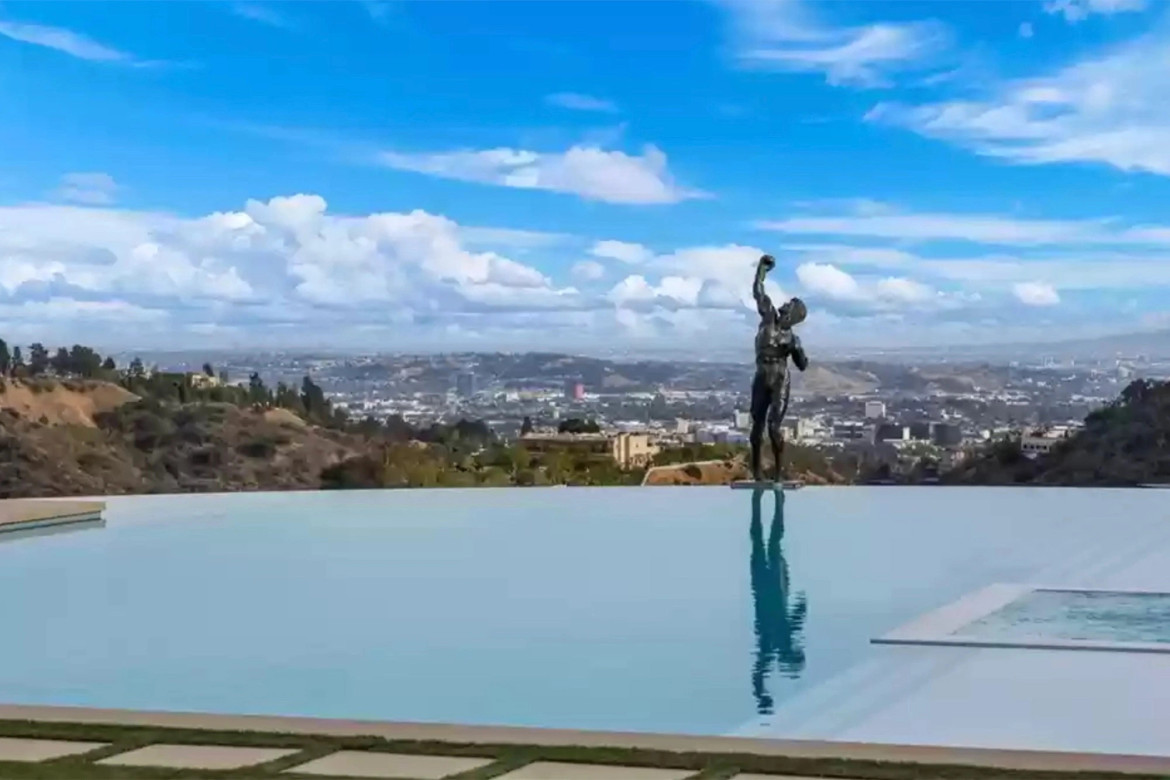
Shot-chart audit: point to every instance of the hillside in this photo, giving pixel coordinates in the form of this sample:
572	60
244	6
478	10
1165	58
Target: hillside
1125	443
88	438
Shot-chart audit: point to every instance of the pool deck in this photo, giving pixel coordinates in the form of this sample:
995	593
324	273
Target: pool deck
18	514
457	736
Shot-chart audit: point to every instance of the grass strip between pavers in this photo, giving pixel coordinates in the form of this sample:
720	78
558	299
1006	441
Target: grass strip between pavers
506	757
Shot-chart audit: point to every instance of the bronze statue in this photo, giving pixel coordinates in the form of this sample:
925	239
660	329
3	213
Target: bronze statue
775	343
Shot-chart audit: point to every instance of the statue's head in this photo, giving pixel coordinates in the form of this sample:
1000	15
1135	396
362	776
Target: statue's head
793	312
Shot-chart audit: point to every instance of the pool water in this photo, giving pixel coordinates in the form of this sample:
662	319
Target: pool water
689	610
1077	615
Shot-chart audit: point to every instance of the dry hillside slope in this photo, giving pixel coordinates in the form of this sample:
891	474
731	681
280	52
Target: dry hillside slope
69	403
95	438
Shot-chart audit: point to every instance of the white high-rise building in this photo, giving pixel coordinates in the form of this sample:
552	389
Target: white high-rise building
875	410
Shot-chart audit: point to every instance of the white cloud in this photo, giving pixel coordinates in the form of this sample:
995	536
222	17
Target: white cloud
903	290
62	40
1026	30
621	250
283	261
1036	294
263	14
588	270
589	172
1078	10
94	189
510	237
830	281
786	35
1111	109
973	227
575	101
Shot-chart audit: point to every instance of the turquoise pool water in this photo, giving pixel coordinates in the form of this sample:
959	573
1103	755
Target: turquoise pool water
1070	615
648	609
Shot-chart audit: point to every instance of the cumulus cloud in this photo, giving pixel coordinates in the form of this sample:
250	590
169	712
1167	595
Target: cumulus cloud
787	35
832	284
830	281
621	250
1078	10
1036	294
588	270
575	101
287	260
94	189
589	172
1111	109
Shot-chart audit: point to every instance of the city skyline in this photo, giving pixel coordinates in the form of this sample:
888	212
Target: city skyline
426	176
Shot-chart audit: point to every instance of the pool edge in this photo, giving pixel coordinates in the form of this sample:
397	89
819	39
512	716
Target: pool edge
1006	759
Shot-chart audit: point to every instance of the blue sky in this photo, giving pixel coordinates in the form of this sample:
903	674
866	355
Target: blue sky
427	175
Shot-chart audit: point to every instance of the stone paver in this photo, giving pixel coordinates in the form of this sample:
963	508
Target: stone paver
551	770
42	749
196	756
360	763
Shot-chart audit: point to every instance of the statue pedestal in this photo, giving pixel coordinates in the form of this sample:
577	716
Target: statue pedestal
767	484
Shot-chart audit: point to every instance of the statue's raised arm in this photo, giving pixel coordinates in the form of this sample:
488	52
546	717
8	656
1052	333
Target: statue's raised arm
763	302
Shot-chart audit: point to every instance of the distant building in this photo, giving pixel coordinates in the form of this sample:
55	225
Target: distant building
920	431
891	432
465	384
807	428
574	390
682	425
875	410
1043	442
849	430
627	449
743	420
946	434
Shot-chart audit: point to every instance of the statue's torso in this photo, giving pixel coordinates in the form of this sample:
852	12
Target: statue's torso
773	343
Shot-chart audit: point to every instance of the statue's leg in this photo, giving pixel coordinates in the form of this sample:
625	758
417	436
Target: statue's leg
778	408
761	401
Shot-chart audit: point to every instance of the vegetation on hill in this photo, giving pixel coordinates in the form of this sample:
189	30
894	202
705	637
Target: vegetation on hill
721	464
1123	444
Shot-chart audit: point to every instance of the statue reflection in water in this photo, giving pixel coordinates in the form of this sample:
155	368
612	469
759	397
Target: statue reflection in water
779	625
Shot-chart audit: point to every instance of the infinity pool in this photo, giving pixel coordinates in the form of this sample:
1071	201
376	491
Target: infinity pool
690	610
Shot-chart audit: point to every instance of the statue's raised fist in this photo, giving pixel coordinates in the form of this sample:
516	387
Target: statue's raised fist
768	262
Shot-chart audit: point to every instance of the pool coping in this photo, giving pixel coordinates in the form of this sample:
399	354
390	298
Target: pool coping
23	514
937	628
469	735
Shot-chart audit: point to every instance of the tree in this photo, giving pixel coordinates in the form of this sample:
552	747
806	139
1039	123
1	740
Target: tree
137	370
577	425
109	365
5	358
257	392
17	361
61	363
208	370
314	401
38	359
84	361
526	426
